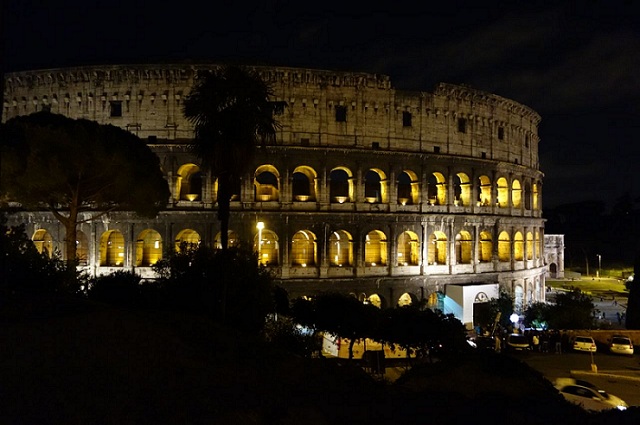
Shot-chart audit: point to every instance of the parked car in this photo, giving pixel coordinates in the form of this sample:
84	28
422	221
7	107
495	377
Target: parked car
587	395
584	343
517	342
620	344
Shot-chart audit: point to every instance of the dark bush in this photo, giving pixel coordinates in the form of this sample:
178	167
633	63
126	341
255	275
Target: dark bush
121	288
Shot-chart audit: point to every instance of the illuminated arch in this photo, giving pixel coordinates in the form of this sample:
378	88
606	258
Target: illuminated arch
375	249
188	239
535	196
538	244
233	240
406	299
516	193
375	186
408	188
504	247
462	189
518	246
484	191
340	249
112	249
503	192
518	298
376	300
529	246
268	248
485	248
267	183
408	249
341	188
189	183
437	251
464	247
43	242
304	184
303	249
437	189
148	248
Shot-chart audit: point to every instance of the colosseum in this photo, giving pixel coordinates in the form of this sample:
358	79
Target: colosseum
391	195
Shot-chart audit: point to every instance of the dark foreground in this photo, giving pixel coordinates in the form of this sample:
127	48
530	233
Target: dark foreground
82	363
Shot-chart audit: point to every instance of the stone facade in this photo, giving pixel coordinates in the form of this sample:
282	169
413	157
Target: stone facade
554	256
387	194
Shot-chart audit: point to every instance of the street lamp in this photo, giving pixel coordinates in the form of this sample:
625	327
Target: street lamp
260	226
599	265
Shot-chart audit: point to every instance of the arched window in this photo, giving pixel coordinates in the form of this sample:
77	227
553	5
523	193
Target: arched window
464	247
375	186
529	246
462	190
518	299
233	241
518	246
437	251
537	244
266	181
148	248
485	248
376	300
341	185
408	249
340	249
503	193
535	196
504	247
82	248
484	191
408	188
268	248
375	249
112	249
303	184
405	299
437	189
187	239
43	242
189	183
516	194
303	249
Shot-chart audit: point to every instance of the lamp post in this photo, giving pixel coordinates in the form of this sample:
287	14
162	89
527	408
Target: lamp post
599	265
260	226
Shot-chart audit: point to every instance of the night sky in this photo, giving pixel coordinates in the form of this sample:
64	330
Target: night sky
577	66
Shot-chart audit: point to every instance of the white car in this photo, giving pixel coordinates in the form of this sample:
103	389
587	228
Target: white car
584	343
587	395
620	344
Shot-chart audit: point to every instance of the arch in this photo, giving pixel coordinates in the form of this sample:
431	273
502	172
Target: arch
341	185
518	298
503	192
375	249
268	249
516	193
462	190
375	186
408	249
408	188
82	248
266	183
538	244
484	191
406	299
303	249
304	184
43	242
464	247
234	187
189	183
529	246
535	196
148	248
485	247
340	249
437	189
187	239
518	246
376	300
435	301
437	253
112	249
233	240
504	247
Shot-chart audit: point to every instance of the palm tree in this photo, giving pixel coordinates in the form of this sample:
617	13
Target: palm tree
231	111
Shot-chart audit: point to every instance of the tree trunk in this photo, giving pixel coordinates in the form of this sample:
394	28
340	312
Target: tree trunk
224	206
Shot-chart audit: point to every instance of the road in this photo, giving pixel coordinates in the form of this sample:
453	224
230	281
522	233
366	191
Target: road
619	375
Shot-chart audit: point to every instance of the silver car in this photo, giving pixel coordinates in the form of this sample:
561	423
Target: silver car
587	395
